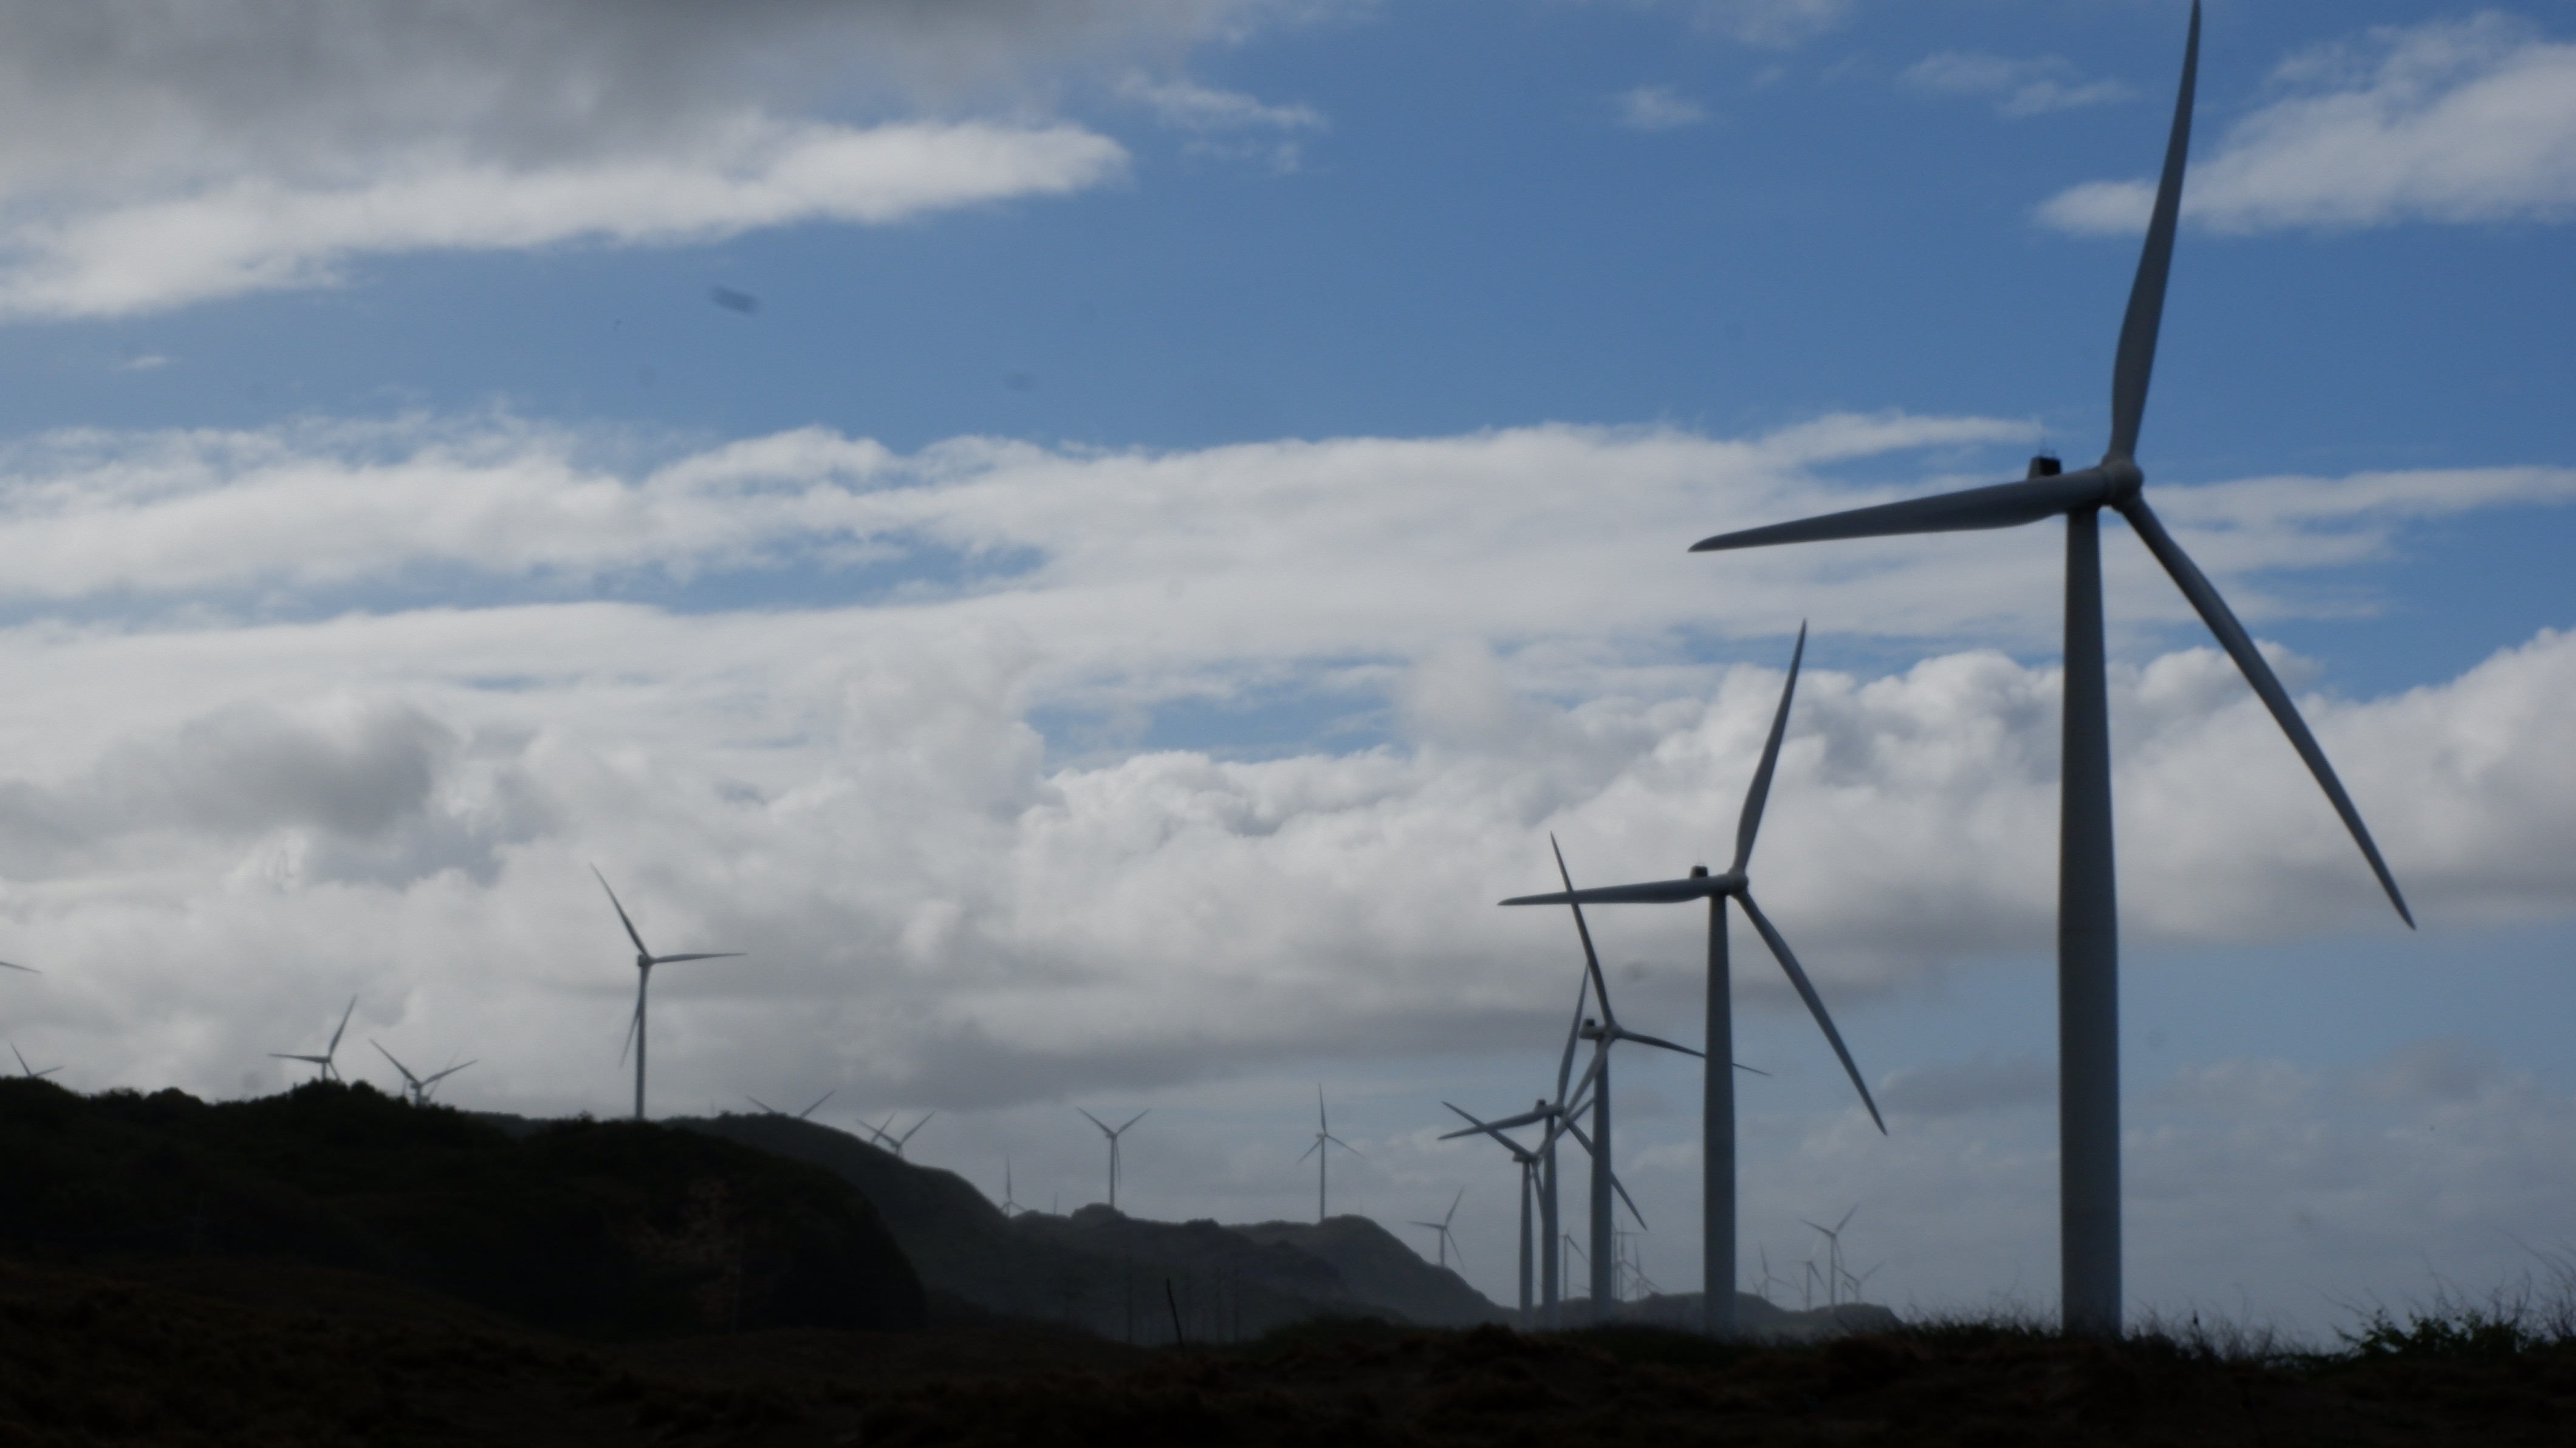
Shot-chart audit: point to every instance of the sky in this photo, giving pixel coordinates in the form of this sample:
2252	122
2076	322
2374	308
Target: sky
1095	541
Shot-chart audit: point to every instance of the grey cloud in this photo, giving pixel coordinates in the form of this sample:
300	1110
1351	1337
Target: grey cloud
1965	1088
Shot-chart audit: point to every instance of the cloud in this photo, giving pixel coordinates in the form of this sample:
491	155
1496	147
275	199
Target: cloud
155	154
2017	87
2458	121
1658	108
1225	123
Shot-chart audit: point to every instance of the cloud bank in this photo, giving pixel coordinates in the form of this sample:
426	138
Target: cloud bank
2455	121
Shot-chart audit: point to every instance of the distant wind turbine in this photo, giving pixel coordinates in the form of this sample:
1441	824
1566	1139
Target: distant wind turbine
1834	1273
799	1115
1528	1161
1445	1240
1009	1206
1717	1114
1113	1146
887	1139
418	1088
329	1071
2088	928
31	1072
645	960
1323	1138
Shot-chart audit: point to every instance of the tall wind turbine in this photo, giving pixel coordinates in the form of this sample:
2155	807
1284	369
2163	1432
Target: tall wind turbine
1717	1106
1113	1145
1603	1034
1528	1162
2088	951
30	1072
1323	1138
329	1071
1445	1241
418	1088
645	960
1550	1114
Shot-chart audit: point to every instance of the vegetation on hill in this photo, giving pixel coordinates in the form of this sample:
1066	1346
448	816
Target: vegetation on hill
609	1228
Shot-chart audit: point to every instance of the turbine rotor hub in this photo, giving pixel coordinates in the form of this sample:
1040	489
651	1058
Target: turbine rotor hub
2121	480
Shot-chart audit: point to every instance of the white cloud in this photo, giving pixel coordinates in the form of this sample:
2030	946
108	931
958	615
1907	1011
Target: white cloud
2461	121
154	154
2017	87
1226	123
1658	108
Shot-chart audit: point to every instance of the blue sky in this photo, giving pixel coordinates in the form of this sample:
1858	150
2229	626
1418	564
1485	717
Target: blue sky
1096	539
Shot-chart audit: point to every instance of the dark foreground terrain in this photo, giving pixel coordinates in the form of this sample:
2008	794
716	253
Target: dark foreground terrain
176	1350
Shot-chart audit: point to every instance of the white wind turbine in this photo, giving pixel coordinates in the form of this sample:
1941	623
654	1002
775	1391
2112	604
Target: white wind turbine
1528	1161
1323	1138
1835	1276
329	1071
645	960
418	1088
1010	1207
1113	1146
1444	1240
31	1072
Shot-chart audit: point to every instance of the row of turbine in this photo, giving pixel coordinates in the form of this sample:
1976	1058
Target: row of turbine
2088	914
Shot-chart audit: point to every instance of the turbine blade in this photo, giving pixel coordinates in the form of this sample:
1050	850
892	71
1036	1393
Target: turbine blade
1573	1033
1344	1145
2232	637
1998	505
1591	959
1628	1035
2137	356
925	1121
640	947
1320	1123
1815	1004
1754	798
334	1048
634	1023
1453	1209
443	1075
1318	1146
1846	1221
29	969
1622	1189
1132	1120
1087	1116
1756	1070
399	1066
1660	892
717	955
818	1104
30	1070
765	1106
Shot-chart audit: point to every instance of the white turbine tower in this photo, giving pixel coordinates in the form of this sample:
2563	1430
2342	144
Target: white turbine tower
329	1072
1113	1146
645	960
1323	1138
1443	1239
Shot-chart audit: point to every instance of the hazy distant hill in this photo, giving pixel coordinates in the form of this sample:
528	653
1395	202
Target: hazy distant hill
607	1227
1106	1271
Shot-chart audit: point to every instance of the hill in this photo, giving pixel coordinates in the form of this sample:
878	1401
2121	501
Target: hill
1107	1272
601	1228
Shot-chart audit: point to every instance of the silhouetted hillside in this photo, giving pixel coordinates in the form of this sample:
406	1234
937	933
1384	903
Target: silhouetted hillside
1106	1271
600	1227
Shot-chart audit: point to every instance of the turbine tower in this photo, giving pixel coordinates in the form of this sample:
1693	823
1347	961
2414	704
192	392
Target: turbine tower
2088	964
329	1071
645	960
1323	1138
1603	1259
1528	1161
1717	1107
1444	1240
1113	1145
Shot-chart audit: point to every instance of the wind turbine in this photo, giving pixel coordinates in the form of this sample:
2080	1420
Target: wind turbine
1444	1240
1323	1138
1603	1258
1717	1109
329	1071
1529	1165
1834	1273
888	1139
1113	1146
1009	1206
418	1088
645	960
2088	948
31	1072
799	1115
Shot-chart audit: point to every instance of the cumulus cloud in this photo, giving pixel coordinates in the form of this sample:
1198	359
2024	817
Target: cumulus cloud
1658	108
2460	121
2026	87
155	154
